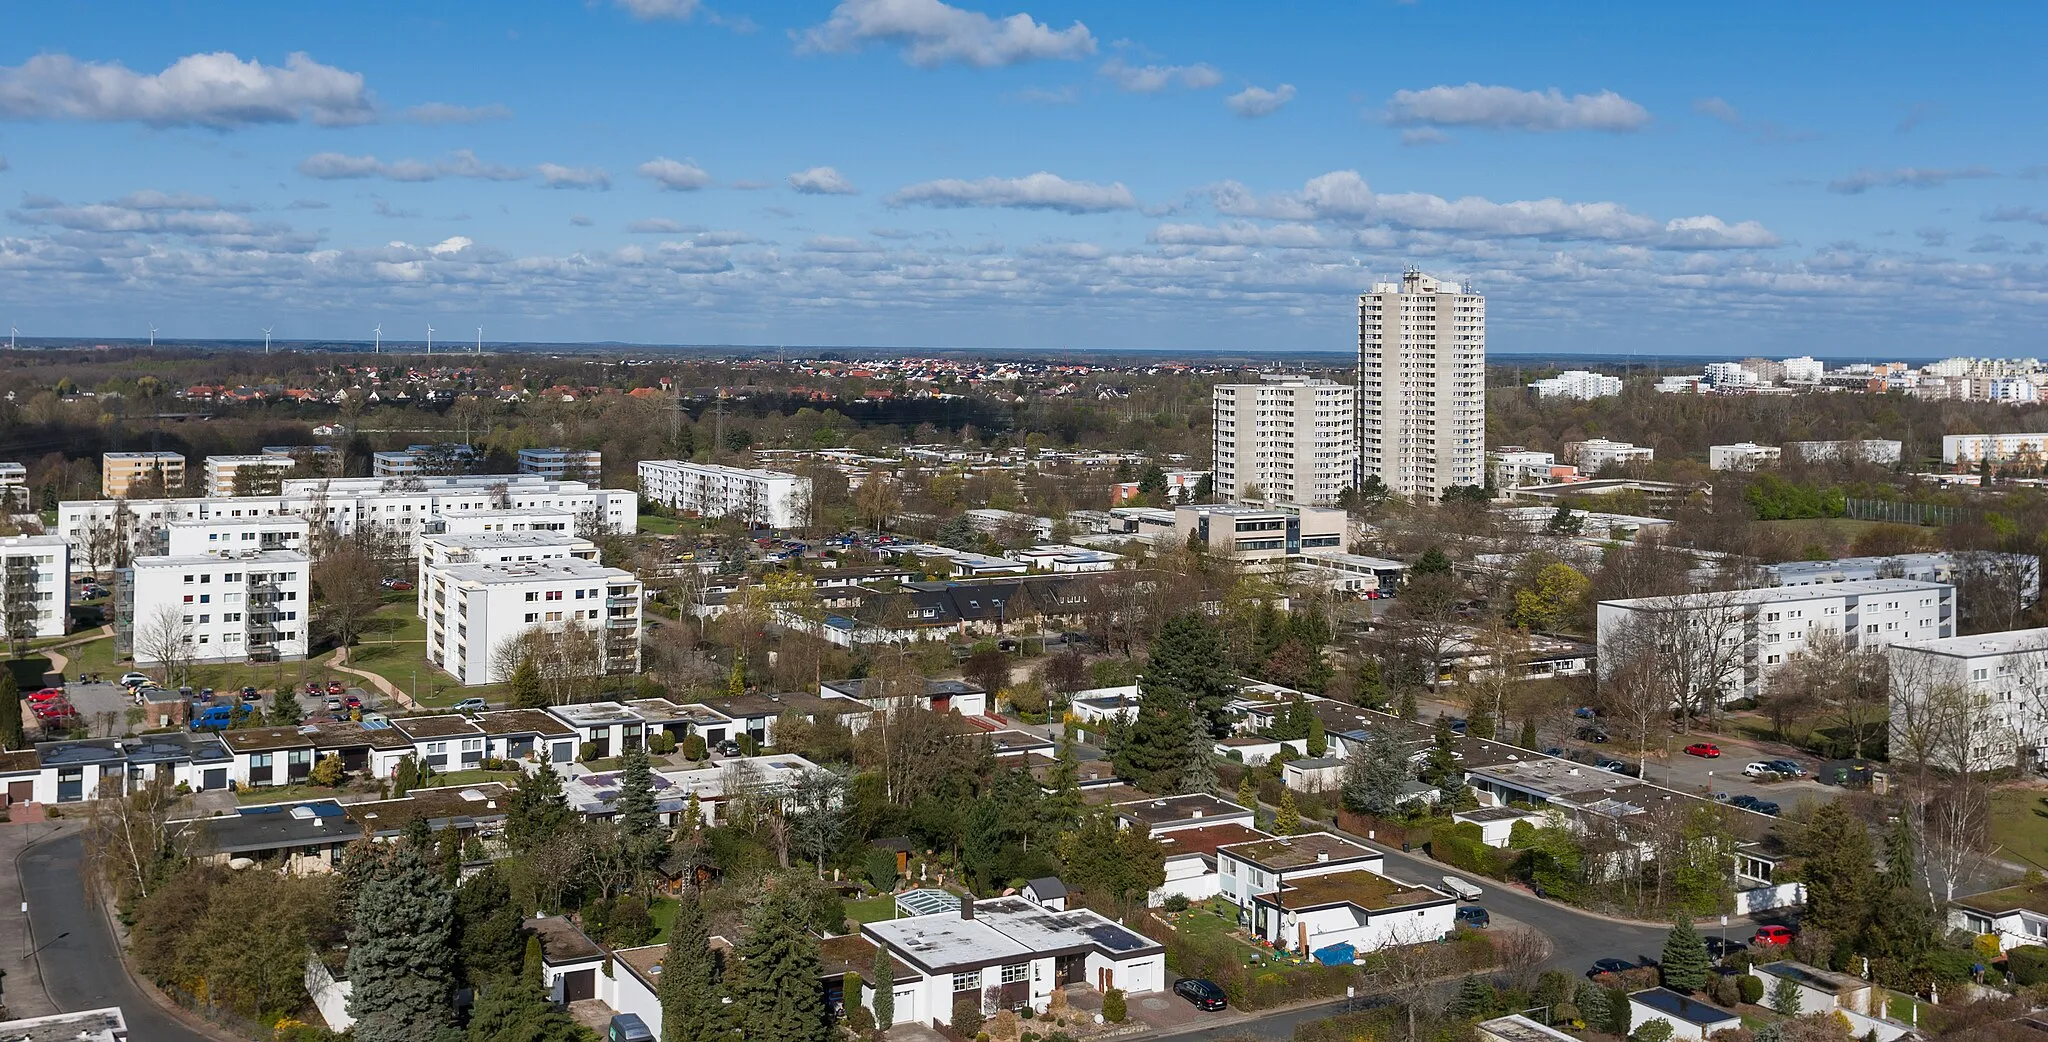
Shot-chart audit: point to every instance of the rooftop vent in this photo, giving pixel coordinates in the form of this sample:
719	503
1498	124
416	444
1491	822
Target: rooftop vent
1322	855
473	795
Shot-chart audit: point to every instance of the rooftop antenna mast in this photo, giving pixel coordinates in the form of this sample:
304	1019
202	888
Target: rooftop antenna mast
377	345
266	340
430	340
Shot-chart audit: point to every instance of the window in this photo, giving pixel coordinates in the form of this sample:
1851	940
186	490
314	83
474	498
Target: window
533	616
554	595
1016	972
532	595
968	981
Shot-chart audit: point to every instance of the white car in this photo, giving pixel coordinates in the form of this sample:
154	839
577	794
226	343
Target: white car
132	679
1759	769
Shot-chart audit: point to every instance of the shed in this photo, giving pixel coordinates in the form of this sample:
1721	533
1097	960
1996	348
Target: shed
1689	1017
1047	892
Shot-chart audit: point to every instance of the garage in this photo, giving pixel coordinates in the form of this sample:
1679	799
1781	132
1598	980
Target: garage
578	985
21	791
216	778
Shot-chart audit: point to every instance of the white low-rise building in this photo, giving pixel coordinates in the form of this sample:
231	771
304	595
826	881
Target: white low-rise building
1594	454
35	586
1260	534
2016	915
1513	467
558	464
1246	870
1577	383
1743	455
219	471
438	549
473	610
252	605
757	497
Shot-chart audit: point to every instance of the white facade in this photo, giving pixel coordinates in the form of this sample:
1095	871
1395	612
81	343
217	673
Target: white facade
475	609
1577	383
1743	455
562	464
253	604
1971	448
227	536
1595	453
766	497
14	485
1246	870
2003	712
1730	374
219	471
1421	385
1766	627
35	580
1247	533
2024	570
1803	370
1514	467
1867	450
1289	438
439	549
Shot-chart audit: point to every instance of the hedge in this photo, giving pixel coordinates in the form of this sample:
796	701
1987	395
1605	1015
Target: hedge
2028	964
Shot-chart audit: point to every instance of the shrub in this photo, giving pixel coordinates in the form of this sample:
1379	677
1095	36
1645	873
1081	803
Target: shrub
1113	1009
1176	902
2028	964
586	752
881	870
629	924
967	1018
662	743
1658	1030
693	747
1751	988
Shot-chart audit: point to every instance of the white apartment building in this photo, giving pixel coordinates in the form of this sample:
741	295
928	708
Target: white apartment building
562	464
528	519
1287	438
14	485
1577	383
1594	453
1248	533
2023	569
1514	466
218	537
763	497
119	471
35	581
254	605
1743	455
1803	370
436	550
1974	448
2002	720
442	459
2013	391
1867	450
475	609
1421	385
219	472
1730	375
1754	632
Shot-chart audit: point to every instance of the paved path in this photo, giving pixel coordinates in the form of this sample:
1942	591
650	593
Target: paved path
80	961
390	690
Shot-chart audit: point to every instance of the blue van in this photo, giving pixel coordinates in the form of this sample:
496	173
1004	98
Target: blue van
214	718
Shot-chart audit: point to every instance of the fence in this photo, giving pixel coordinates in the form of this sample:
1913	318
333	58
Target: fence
1904	513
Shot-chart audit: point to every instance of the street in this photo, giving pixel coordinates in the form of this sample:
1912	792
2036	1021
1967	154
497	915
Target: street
80	960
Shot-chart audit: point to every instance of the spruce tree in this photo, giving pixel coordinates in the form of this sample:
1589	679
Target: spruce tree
1287	819
515	1009
539	810
777	994
1198	771
885	989
400	964
1592	1002
10	711
1189	656
692	997
487	928
637	819
1375	776
527	692
1248	792
1476	998
1318	739
1685	963
1156	750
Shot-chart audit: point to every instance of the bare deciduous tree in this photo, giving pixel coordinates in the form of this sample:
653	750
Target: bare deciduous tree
346	592
165	640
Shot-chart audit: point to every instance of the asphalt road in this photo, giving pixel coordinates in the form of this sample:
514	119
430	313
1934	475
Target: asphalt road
83	970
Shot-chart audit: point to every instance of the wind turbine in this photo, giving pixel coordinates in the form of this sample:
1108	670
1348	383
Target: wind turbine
377	345
266	340
152	334
11	331
479	340
430	340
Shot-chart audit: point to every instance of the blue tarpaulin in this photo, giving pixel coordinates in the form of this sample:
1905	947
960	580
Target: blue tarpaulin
1336	955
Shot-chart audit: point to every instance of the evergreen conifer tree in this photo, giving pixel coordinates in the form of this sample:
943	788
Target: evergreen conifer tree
539	810
1374	777
691	994
637	818
1248	792
1287	819
1198	771
487	928
777	993
10	711
400	964
1685	963
515	1009
527	692
885	989
1475	998
1592	1002
1318	739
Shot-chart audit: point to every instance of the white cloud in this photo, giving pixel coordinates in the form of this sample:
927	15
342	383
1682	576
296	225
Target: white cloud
1151	79
932	33
1505	108
839	244
2017	213
674	175
199	220
556	176
821	180
1039	191
1292	236
436	113
1415	136
1716	108
581	220
659	226
1253	102
217	90
1712	233
650	10
1905	177
337	166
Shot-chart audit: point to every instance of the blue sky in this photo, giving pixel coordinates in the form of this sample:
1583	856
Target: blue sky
1742	178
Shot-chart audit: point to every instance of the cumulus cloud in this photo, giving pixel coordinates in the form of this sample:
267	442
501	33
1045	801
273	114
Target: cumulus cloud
217	90
650	10
1718	109
1905	177
337	166
674	175
580	220
1505	108
2025	214
659	226
195	219
931	33
1151	79
1253	102
435	114
557	176
821	180
1039	191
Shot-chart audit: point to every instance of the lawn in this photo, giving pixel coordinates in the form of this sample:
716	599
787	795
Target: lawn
93	657
872	910
1214	918
654	524
405	665
662	910
285	794
2019	824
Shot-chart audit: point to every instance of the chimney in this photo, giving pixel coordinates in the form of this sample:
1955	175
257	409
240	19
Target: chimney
967	906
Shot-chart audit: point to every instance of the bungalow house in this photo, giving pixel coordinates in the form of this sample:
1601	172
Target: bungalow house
570	961
1496	824
1191	859
1166	814
444	743
1252	751
1099	705
372	747
1819	990
1088	774
1012	953
74	771
597	795
1357	907
634	985
1321	774
608	726
1690	1018
1246	870
479	808
2016	915
678	721
1011	743
313	835
713	786
526	735
939	696
270	755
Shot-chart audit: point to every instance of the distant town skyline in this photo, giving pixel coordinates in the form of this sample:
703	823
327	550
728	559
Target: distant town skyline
1023	176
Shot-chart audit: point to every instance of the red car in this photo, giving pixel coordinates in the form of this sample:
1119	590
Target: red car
335	687
1771	935
54	710
354	702
48	694
1706	749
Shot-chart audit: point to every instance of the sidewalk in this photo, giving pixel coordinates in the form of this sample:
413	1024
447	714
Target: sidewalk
383	686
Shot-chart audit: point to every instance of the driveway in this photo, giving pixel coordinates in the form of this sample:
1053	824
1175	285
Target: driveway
81	969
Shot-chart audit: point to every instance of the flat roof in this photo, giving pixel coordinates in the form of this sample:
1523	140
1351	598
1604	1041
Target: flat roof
852	953
1368	890
1284	852
1004	930
551	570
348	732
1774	594
1813	976
522	721
596	714
2022	898
263	739
1518	1028
644	961
449	726
487	540
483	801
1015	741
1207	839
1165	810
2004	642
278	826
212	560
84	1026
1684	1007
1493	814
561	942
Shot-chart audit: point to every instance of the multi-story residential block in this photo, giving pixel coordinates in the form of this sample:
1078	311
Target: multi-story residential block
1285	439
1866	450
1733	641
14	486
219	472
474	610
2020	574
1971	703
528	519
1421	385
1743	455
436	550
124	473
1577	383
415	461
1998	448
1180	487
1803	370
1514	467
220	537
1731	375
562	464
253	605
758	497
1595	453
1253	534
35	586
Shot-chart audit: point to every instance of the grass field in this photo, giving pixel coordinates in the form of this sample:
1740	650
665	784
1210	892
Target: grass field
1836	535
2019	824
656	525
872	910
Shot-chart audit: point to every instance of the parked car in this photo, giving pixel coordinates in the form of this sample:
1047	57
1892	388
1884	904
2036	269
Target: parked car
1719	948
728	747
1787	767
1590	734
334	704
401	586
47	694
1474	916
335	687
1705	749
1205	994
353	702
1458	724
248	694
1760	769
132	679
1772	936
471	705
1765	807
1601	966
214	718
1617	766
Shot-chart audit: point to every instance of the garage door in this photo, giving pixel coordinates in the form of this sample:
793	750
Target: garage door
21	791
216	778
579	984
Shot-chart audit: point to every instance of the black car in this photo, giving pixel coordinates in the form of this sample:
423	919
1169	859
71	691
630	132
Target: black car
1743	801
1203	993
728	747
1474	916
1765	807
1789	768
1601	966
1591	734
1719	947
